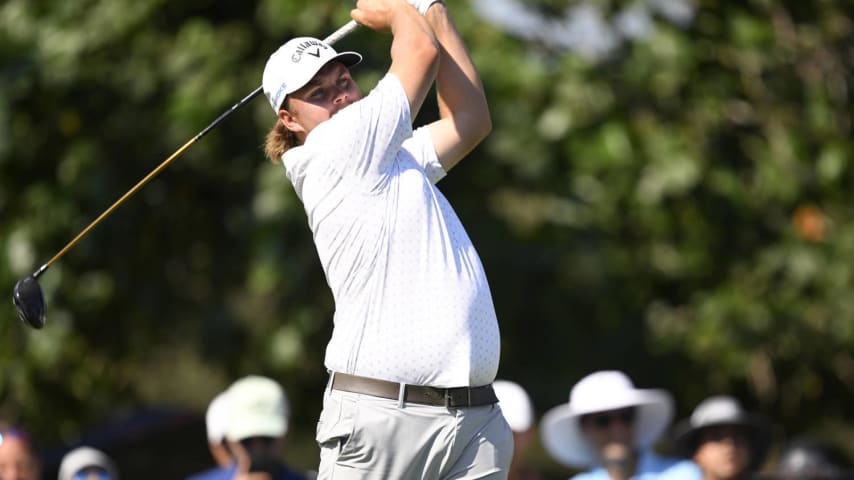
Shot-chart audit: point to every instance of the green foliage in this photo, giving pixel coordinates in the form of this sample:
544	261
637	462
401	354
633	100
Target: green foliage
678	210
693	182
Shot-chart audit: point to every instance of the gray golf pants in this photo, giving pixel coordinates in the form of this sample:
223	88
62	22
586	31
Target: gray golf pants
365	437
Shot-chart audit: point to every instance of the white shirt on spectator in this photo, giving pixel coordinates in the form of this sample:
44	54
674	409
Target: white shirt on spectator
412	301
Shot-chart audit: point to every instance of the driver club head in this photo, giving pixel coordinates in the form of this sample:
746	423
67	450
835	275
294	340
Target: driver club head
29	301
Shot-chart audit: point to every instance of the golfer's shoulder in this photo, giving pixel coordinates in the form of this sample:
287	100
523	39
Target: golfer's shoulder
388	90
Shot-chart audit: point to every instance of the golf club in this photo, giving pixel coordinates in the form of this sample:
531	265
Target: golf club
28	296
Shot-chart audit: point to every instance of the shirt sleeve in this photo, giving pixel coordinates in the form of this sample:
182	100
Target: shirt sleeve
422	149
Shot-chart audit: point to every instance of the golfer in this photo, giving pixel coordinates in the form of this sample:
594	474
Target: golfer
415	343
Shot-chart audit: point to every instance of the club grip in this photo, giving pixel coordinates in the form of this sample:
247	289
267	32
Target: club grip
341	32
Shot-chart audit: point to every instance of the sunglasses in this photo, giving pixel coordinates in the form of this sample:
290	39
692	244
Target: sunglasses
606	419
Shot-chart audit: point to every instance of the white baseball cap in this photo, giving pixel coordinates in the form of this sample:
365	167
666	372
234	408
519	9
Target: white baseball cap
295	63
515	405
258	407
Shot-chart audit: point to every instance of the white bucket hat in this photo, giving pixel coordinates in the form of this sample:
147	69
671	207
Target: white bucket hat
295	63
601	392
515	404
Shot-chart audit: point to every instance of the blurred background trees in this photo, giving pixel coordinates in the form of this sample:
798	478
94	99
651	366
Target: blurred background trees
666	192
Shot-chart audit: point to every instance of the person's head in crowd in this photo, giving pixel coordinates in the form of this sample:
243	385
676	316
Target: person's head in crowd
727	442
86	463
257	425
18	460
518	410
216	421
806	458
611	426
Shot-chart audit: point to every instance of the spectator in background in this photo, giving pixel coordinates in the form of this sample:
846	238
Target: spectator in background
18	460
806	458
515	404
86	463
610	426
216	420
724	440
256	429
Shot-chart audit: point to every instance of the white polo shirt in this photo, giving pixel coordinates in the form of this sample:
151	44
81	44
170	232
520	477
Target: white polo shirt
412	303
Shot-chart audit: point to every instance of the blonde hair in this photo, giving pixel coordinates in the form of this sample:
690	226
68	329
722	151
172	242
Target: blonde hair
279	141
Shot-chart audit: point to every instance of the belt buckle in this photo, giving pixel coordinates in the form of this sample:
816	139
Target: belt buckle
450	399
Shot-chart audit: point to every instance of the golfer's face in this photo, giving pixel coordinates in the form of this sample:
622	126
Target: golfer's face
611	432
328	92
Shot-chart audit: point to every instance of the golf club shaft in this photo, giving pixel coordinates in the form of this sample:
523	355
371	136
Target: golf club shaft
331	39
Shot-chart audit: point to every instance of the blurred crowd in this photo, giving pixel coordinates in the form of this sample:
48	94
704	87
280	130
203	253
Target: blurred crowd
611	430
246	428
608	430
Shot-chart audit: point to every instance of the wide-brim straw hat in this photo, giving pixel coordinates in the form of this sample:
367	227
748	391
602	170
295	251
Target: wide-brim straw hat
718	411
601	392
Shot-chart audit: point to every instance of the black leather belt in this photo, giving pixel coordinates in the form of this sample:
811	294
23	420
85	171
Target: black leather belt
457	397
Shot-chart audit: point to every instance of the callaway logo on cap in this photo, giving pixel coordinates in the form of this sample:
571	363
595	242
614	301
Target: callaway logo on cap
314	52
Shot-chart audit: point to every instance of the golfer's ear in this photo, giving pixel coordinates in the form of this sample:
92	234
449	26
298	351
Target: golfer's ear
289	121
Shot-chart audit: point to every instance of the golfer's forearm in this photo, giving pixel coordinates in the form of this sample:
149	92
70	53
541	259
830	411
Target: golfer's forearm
458	85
